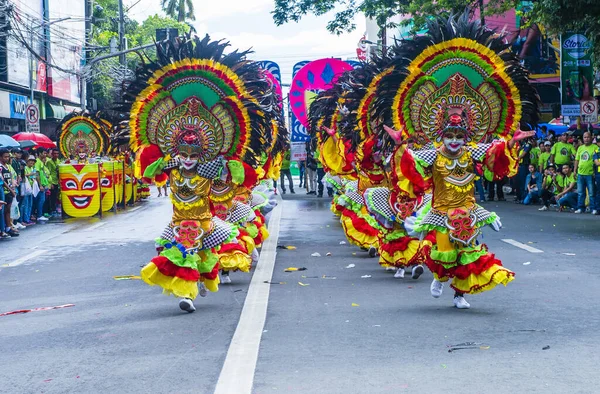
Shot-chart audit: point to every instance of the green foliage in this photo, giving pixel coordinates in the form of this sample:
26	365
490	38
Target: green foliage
105	28
557	16
379	10
560	16
180	10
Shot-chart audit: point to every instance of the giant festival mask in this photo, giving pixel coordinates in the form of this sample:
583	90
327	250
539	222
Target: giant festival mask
80	191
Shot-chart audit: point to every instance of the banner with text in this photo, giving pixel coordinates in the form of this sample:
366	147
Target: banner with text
576	73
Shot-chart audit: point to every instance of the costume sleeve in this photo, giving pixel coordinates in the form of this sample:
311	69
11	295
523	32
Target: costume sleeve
336	158
500	161
410	170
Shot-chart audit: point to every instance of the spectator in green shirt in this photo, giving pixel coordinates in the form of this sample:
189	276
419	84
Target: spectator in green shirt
549	187
52	166
544	156
286	172
567	182
584	168
43	174
562	152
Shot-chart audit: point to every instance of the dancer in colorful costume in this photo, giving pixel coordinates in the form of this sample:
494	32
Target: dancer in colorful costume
332	111
397	250
82	136
197	117
459	84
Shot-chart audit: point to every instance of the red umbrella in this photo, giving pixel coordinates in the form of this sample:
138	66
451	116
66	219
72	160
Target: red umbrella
40	139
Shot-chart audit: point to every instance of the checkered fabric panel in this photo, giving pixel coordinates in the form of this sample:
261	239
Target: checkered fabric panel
239	212
173	163
210	170
427	155
434	219
356	197
478	151
221	231
377	200
482	214
168	234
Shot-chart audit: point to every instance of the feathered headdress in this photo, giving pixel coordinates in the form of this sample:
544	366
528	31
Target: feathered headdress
459	76
197	99
82	132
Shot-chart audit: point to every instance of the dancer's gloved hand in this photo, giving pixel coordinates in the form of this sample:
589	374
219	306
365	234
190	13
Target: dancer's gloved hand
496	224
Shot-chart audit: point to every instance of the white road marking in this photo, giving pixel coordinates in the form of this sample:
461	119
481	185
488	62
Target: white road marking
522	246
133	209
25	258
237	375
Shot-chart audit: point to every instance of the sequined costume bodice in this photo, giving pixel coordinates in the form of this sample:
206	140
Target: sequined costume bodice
189	194
453	181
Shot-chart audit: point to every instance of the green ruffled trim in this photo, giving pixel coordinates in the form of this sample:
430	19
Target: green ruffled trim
236	169
154	168
463	256
233	235
444	257
207	262
176	257
161	241
371	220
425	228
489	175
394	235
252	230
467	257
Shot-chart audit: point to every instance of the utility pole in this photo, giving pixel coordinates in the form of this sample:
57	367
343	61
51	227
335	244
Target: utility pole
121	33
89	13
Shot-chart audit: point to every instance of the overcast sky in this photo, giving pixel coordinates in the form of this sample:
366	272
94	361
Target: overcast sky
248	23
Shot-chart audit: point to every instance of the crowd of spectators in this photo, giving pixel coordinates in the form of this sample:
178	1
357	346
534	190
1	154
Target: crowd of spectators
557	171
29	189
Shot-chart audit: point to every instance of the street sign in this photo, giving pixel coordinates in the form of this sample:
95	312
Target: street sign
32	119
589	111
298	151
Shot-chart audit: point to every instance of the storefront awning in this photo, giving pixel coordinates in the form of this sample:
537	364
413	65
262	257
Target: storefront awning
55	111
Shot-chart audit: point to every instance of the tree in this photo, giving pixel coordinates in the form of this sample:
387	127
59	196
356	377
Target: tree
181	10
379	10
561	16
107	74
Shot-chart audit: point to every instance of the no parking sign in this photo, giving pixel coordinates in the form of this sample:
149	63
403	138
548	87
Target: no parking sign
32	119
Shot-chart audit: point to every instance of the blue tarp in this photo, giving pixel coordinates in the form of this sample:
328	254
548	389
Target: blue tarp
558	129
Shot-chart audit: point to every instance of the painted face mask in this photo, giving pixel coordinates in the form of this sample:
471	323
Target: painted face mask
189	156
453	140
107	187
80	194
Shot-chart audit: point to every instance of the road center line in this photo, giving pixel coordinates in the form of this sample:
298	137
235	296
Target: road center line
522	246
237	375
26	258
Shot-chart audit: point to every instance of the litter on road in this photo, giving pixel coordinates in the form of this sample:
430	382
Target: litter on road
46	308
127	277
292	269
316	254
